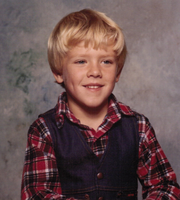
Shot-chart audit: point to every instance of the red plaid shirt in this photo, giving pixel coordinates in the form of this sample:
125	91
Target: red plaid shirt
40	175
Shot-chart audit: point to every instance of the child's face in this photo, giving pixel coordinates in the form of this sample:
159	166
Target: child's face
89	76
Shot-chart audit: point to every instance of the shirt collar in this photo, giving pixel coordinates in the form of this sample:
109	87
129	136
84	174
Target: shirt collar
62	110
118	108
115	110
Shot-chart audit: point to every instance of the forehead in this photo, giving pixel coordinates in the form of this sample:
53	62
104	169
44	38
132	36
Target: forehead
83	49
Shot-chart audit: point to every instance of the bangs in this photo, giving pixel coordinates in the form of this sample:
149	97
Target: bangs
97	39
92	31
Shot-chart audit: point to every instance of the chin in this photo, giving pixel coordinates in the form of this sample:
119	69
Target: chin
94	105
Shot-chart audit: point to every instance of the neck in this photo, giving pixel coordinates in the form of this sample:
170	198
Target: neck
91	117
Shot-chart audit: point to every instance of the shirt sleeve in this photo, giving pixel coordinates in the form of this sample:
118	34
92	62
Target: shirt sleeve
40	178
154	171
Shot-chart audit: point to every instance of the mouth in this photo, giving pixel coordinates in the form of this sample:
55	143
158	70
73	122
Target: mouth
93	86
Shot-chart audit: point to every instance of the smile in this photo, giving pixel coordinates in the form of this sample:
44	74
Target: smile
93	86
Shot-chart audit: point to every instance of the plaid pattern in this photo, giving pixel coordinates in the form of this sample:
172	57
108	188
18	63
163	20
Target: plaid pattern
40	175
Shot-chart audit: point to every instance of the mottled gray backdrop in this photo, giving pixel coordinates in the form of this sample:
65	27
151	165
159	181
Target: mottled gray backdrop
149	83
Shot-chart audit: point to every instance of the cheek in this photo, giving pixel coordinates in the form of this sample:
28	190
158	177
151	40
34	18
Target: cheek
66	75
112	77
70	79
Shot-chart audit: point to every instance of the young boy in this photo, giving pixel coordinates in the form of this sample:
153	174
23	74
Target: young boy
90	146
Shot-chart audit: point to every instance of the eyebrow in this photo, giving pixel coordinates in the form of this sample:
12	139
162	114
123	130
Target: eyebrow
87	54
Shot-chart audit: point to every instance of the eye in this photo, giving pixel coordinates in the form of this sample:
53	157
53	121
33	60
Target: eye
108	62
80	62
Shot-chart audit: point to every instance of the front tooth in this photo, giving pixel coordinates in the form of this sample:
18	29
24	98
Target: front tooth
92	87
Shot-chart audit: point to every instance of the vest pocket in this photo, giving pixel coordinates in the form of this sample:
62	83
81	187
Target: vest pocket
127	195
79	196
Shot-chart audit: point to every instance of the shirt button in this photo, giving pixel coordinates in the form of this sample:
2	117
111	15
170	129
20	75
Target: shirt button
100	198
100	175
86	196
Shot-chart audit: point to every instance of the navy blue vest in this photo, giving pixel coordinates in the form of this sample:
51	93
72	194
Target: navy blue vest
82	174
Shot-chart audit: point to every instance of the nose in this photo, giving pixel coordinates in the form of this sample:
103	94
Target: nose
94	70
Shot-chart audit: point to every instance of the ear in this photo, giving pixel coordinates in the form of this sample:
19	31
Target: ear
58	77
117	77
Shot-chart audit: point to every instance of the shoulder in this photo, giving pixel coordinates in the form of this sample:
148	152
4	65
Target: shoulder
39	139
143	122
126	110
38	129
147	136
146	131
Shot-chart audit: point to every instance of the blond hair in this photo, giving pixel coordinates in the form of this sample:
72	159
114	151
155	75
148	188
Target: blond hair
91	27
